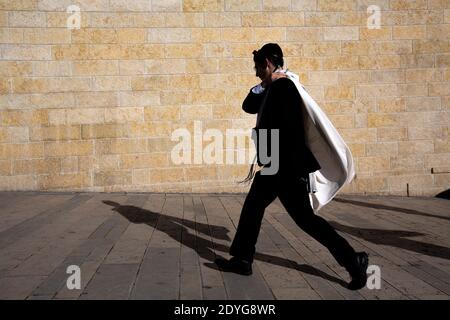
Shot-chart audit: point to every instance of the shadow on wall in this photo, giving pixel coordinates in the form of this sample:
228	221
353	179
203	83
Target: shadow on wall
444	194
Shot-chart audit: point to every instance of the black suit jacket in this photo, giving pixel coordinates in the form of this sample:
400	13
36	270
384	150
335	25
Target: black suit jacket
282	110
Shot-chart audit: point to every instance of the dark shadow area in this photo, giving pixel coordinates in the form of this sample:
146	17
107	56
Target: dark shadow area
173	226
395	238
177	229
292	265
384	207
444	194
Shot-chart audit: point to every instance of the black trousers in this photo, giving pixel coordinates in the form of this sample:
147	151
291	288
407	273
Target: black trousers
293	194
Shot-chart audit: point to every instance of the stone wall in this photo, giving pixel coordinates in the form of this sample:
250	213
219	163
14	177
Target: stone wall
94	108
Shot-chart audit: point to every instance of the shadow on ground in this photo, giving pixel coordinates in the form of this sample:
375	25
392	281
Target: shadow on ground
189	233
205	248
395	238
384	207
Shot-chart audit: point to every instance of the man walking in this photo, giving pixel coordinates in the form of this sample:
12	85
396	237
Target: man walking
277	103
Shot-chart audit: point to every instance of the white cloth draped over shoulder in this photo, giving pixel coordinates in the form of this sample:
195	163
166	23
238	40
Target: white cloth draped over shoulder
327	146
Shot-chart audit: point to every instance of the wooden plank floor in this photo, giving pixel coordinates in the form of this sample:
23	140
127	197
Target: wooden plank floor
162	246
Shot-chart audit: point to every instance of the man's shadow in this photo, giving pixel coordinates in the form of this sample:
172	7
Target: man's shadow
177	229
395	238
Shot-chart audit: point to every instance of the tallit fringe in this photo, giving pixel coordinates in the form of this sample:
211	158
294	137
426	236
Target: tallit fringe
250	175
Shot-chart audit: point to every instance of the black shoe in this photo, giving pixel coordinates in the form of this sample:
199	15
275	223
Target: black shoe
235	265
359	272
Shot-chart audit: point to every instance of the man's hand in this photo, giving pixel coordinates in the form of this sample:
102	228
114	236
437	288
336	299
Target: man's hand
277	75
274	76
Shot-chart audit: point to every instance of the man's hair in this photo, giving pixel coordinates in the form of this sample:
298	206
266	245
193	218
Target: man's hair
272	52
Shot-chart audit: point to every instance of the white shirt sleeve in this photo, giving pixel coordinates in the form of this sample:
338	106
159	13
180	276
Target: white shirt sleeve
258	89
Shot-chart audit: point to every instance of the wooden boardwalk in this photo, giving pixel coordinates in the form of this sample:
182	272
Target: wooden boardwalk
162	246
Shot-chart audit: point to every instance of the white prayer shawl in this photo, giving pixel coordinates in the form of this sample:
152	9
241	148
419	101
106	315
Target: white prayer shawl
329	149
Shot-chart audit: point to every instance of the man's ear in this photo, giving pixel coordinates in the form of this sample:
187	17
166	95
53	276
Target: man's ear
269	64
